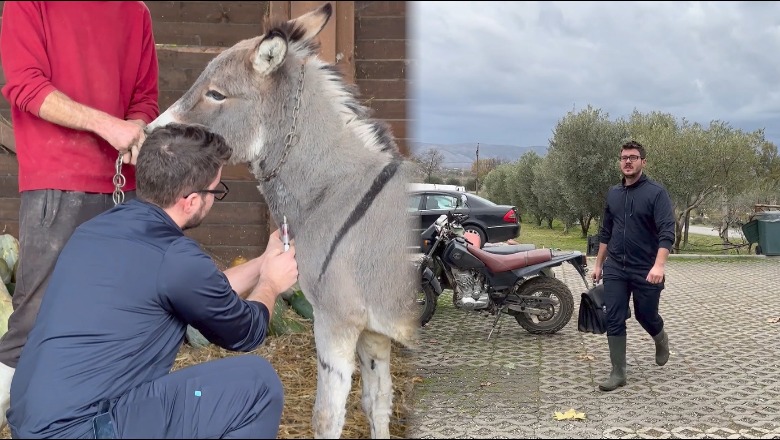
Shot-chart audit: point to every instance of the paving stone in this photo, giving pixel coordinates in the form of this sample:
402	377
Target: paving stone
722	380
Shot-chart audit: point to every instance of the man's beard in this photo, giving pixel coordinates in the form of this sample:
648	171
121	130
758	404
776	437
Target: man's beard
196	219
632	173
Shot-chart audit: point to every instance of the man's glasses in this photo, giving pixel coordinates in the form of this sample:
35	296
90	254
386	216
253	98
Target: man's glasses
219	194
632	158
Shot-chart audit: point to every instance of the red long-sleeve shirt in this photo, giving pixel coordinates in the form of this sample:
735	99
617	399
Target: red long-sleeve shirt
100	54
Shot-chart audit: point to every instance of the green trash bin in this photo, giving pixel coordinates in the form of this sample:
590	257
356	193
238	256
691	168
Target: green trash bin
750	229
768	223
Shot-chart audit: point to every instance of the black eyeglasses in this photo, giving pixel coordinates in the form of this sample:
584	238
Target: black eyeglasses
632	158
219	194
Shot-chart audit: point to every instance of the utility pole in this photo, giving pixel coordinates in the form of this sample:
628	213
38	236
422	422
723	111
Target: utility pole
476	165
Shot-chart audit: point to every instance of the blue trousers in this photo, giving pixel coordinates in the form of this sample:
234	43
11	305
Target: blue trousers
619	285
235	397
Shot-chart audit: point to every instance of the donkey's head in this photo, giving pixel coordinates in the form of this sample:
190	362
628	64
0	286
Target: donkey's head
249	91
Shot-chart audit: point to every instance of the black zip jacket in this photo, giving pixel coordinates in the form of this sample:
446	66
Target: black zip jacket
638	220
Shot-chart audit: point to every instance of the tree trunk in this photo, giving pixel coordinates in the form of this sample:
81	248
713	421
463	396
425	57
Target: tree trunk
724	223
585	225
549	223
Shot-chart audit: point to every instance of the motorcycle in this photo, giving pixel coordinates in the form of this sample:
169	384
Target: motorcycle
510	279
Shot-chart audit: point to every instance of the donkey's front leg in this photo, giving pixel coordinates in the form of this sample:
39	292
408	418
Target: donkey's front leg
335	365
374	354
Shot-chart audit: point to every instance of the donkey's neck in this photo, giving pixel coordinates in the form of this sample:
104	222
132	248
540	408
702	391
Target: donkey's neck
336	141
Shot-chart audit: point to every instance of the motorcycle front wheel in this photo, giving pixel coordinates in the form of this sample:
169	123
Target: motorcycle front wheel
426	302
557	315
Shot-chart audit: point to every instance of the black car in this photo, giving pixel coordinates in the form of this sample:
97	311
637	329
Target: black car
494	223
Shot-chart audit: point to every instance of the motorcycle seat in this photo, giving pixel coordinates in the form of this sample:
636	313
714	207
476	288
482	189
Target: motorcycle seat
509	248
503	263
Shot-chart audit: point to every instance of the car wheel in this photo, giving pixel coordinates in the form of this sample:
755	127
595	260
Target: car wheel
474	229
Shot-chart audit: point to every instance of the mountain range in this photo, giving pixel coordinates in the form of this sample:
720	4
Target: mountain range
462	155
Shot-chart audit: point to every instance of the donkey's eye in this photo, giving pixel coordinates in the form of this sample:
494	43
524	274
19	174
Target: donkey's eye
215	95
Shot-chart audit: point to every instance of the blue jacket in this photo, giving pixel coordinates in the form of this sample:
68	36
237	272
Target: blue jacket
114	316
638	220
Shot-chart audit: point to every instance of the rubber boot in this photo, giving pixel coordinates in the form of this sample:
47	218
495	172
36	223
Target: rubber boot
617	354
6	375
661	348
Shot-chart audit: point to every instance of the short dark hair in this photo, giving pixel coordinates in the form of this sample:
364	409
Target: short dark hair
634	145
178	159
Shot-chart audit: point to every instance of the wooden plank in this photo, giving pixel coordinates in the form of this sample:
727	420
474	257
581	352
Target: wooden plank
278	11
380	9
238	172
345	39
403	146
380	69
382	88
389	108
380	49
234	213
177	79
240	191
243	191
398	127
380	28
12	227
229	235
170	57
208	12
9	209
7	134
9	165
204	34
9	186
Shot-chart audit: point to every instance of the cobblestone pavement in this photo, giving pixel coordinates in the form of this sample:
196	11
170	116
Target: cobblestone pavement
722	380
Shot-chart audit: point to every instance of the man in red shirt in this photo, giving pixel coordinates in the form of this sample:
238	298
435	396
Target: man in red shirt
81	78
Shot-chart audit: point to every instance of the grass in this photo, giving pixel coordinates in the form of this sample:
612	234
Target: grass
542	236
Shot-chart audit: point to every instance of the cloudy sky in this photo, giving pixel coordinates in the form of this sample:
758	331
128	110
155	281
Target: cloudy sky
506	72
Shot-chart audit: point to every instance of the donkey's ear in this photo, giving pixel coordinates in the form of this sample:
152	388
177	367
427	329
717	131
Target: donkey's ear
270	53
311	23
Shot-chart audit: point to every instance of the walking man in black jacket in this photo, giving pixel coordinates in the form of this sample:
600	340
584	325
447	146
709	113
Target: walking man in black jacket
636	236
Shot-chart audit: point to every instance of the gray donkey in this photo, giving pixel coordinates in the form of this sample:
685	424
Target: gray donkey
339	179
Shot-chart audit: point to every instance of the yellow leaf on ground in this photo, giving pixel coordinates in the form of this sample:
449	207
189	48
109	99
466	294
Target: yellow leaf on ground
569	415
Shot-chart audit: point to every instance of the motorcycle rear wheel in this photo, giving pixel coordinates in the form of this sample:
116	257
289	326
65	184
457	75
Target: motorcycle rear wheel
562	311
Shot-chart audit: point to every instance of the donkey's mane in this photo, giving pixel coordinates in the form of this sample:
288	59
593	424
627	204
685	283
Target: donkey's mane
375	134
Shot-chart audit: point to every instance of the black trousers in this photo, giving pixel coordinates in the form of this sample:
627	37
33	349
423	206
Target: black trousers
619	286
235	397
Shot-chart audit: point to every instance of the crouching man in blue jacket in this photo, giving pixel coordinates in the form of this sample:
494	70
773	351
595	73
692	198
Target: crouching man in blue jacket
636	236
127	284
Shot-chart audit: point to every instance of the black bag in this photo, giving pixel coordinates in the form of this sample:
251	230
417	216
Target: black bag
592	317
593	313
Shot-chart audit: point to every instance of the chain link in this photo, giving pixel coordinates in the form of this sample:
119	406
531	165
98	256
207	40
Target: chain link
119	181
290	138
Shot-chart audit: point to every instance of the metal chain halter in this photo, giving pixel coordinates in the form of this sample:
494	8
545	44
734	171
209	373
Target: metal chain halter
119	181
290	138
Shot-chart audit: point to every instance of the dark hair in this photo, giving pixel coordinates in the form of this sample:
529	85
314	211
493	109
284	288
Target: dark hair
634	145
177	159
